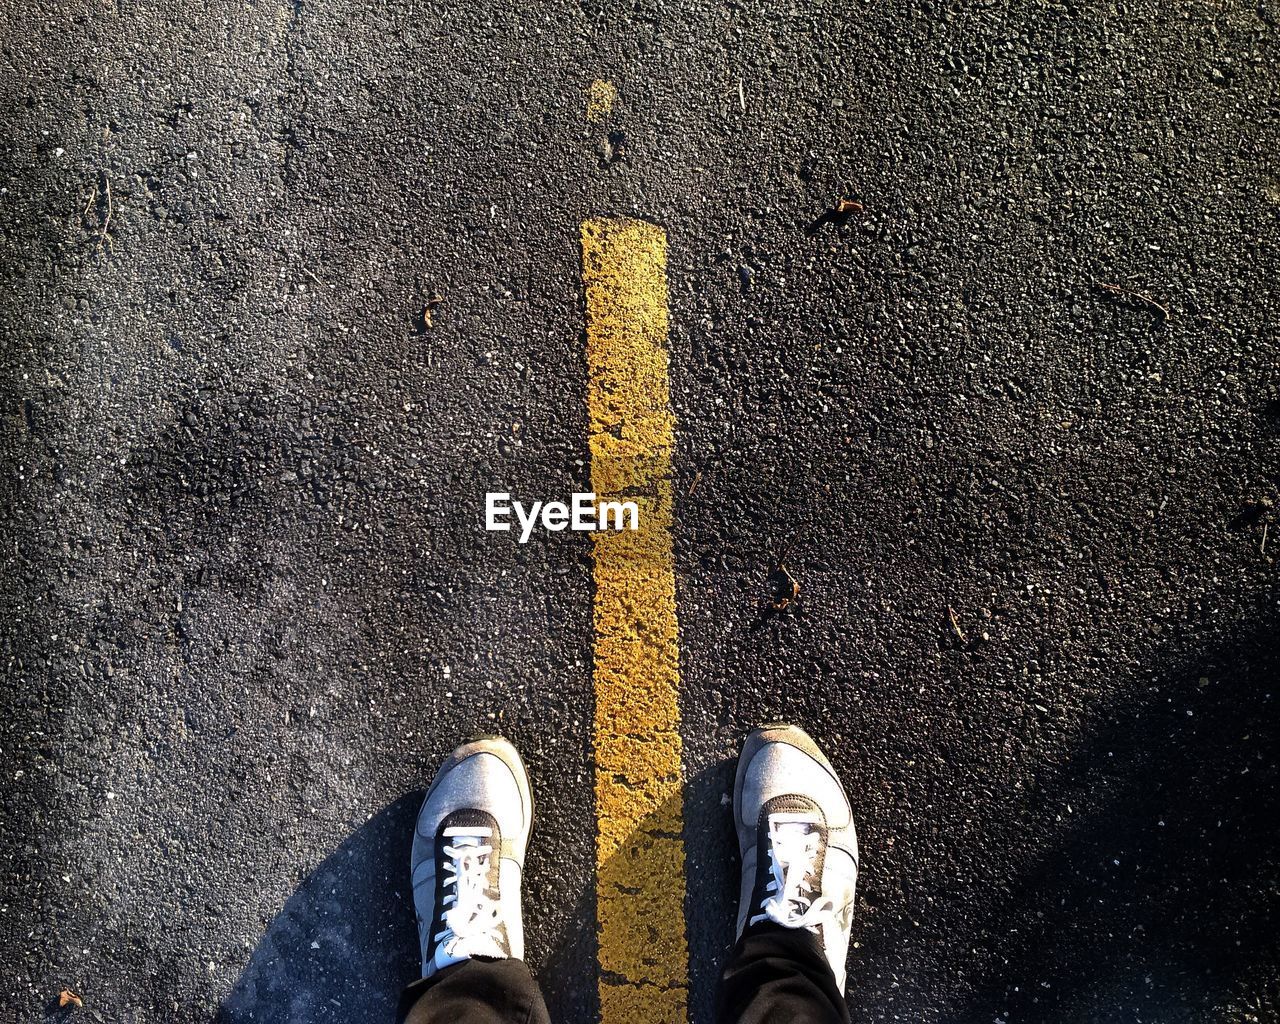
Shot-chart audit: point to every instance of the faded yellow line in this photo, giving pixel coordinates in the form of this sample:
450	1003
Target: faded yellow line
600	99
644	955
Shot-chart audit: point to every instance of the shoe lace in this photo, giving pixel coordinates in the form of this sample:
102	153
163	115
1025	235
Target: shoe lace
473	921
794	843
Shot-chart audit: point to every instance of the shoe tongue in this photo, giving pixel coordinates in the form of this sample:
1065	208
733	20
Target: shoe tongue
469	817
791	844
798	839
462	830
467	828
790	826
789	820
793	824
463	840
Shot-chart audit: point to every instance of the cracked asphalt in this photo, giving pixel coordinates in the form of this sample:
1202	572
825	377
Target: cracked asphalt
1013	426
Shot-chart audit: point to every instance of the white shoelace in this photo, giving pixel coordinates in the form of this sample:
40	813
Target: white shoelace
473	922
793	855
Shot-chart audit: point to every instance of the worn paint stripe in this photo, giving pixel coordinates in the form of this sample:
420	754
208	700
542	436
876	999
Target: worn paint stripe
644	956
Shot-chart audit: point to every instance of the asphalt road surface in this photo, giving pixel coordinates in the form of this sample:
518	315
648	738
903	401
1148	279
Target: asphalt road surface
1013	427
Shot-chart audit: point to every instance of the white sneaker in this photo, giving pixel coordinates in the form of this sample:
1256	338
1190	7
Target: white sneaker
797	840
468	856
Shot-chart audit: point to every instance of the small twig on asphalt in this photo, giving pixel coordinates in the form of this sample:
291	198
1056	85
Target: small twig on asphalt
1143	297
789	589
697	479
841	212
1263	548
312	276
101	192
955	625
103	237
432	302
742	97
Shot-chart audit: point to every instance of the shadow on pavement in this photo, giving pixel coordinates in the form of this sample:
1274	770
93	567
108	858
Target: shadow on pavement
711	881
1160	902
566	970
712	873
344	944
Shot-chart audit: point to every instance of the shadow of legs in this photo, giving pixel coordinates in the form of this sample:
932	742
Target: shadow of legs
344	944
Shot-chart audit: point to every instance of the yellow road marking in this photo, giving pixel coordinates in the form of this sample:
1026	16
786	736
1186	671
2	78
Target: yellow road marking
600	97
644	955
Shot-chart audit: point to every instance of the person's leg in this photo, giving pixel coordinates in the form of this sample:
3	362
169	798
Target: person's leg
799	872
477	991
779	975
467	863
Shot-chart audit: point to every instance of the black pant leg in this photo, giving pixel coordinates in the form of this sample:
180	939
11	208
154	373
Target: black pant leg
779	975
481	990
